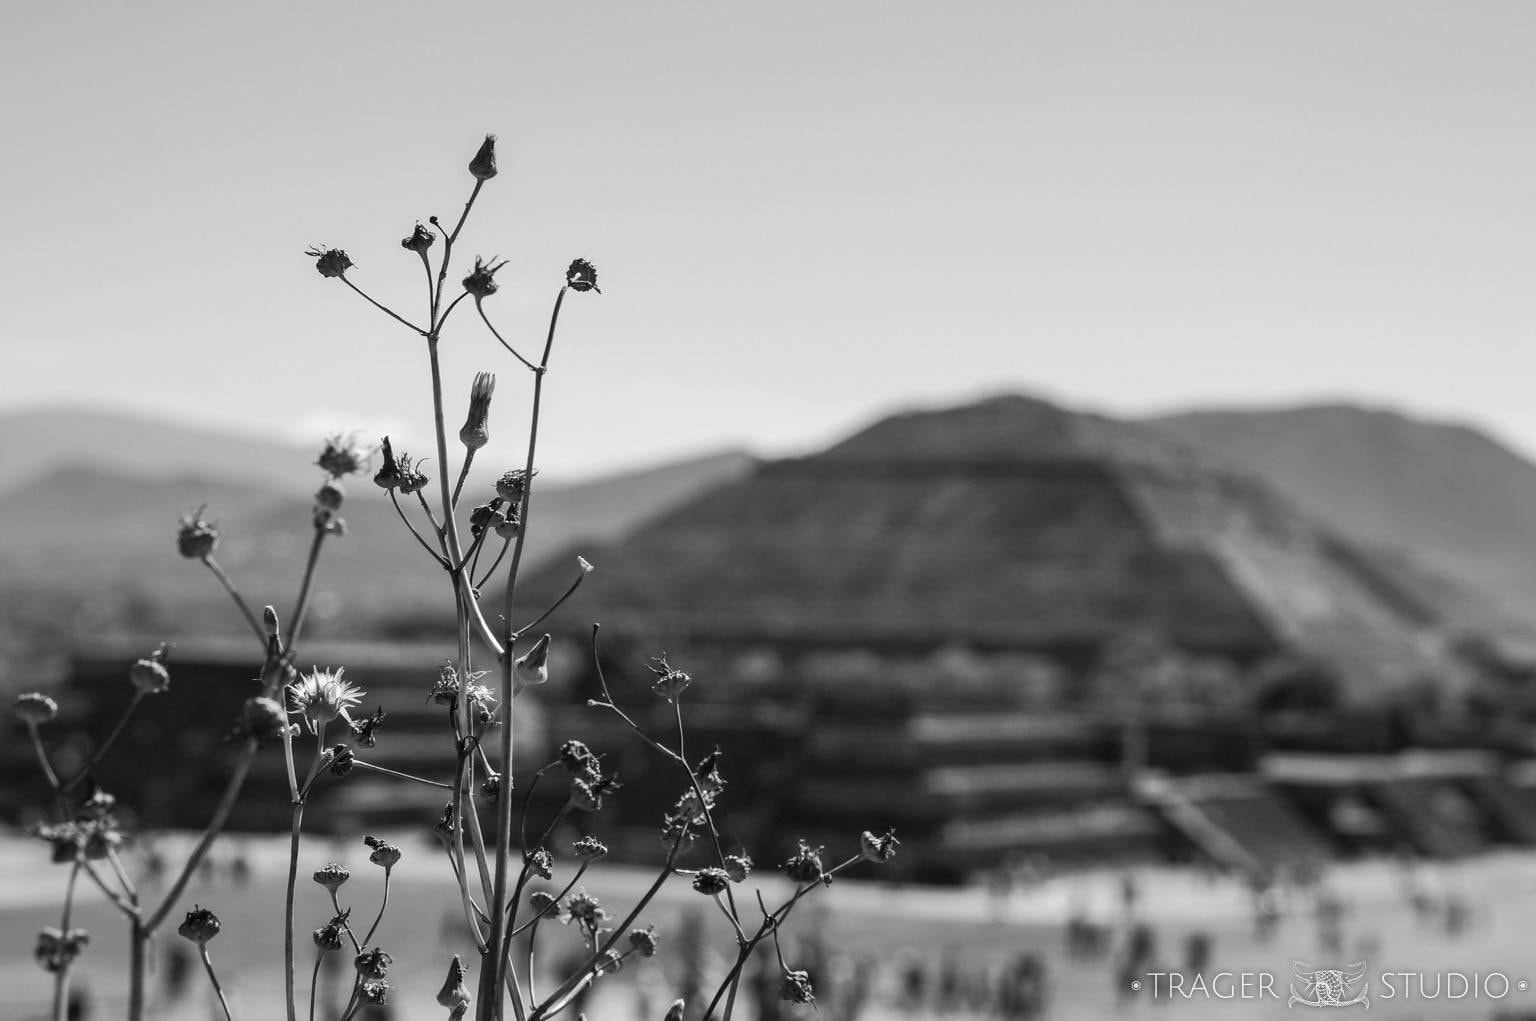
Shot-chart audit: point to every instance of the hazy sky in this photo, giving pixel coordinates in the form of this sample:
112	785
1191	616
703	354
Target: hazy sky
803	213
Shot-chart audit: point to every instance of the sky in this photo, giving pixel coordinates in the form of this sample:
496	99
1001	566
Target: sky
804	214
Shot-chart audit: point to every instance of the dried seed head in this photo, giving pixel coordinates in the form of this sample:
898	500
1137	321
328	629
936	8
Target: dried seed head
55	948
491	787
510	486
541	901
675	1012
389	475
581	275
738	867
881	848
483	166
384	853
506	525
796	987
342	456
589	848
578	758
261	720
34	707
583	909
420	240
483	516
805	865
711	881
339	759
149	675
200	926
669	683
454	995
481	282
476	431
330	495
373	964
541	863
412	478
330	262
196	538
332	876
328	936
375	993
644	941
365	729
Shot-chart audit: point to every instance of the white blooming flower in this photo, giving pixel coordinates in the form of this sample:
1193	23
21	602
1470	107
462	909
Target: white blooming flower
321	695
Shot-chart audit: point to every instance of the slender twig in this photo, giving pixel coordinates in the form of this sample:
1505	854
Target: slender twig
128	910
208	964
424	544
42	756
101	750
505	545
215	825
404	776
61	977
397	318
502	340
383	903
458	487
234	593
554	606
314	983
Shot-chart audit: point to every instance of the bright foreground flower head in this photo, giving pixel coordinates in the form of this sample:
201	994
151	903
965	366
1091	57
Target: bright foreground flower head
321	695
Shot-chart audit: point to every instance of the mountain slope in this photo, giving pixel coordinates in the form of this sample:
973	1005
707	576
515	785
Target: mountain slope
1449	496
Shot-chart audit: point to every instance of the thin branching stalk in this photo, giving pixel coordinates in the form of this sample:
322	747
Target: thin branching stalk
403	776
208	966
61	976
306	587
234	593
102	749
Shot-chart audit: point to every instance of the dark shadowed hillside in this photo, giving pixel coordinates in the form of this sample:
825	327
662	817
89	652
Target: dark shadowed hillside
1450	496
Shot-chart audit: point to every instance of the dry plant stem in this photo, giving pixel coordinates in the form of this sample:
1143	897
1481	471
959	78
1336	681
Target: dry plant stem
42	757
208	965
295	825
381	308
314	983
541	618
61	977
505	545
458	487
306	588
394	499
402	776
234	593
499	963
543	1010
501	340
112	895
215	826
383	903
101	751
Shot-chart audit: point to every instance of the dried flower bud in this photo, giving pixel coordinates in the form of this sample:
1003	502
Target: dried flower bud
384	853
200	926
483	516
99	805
738	867
330	262
328	936
483	166
711	881
446	824
389	475
329	522
375	993
805	865
541	901
454	995
587	792
55	948
481	282
332	876
476	431
261	720
675	1012
420	240
796	987
339	759
196	538
269	620
669	683
540	862
612	963
644	941
365	729
581	275
513	484
330	495
491	787
533	666
373	964
34	707
881	848
506	525
342	456
412	478
149	675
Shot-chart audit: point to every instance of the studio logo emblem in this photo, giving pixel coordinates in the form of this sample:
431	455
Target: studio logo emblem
1329	987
